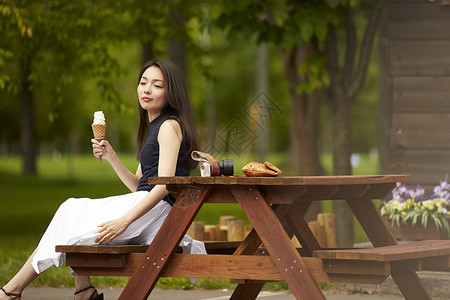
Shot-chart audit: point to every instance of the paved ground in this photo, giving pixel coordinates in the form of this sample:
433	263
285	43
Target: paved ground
437	284
44	293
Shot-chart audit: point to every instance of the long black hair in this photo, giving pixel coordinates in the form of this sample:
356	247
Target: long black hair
178	107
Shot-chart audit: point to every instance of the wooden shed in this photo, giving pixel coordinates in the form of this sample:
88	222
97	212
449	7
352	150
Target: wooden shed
417	84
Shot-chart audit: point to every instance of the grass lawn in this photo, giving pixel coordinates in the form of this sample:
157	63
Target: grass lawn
28	204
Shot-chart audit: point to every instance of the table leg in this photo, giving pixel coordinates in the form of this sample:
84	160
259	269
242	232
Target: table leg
247	291
296	221
370	219
160	251
250	244
277	242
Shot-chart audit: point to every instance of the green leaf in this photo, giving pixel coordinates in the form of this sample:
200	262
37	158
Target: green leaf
306	31
425	219
437	221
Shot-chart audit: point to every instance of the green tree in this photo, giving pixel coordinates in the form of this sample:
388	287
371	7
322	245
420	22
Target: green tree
309	34
347	77
56	41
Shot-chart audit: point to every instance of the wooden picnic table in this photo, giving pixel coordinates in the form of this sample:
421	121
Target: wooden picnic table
275	207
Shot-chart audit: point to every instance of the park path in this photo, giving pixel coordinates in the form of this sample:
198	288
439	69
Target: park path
437	283
50	293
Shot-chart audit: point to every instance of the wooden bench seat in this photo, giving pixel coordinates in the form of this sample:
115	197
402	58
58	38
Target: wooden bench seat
369	265
428	255
414	250
211	247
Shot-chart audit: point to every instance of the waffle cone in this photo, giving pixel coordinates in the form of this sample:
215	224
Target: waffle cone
99	130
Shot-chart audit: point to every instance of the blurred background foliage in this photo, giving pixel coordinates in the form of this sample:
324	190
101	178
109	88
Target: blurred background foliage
83	56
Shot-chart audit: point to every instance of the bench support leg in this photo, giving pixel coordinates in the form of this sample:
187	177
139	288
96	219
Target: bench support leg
410	286
248	291
277	242
160	251
369	217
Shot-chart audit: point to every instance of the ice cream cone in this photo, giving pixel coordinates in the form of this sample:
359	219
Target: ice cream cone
99	127
99	131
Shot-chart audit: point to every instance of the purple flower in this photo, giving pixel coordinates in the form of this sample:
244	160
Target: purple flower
399	192
442	191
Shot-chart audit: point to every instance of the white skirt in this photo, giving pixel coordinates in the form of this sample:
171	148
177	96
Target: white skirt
76	220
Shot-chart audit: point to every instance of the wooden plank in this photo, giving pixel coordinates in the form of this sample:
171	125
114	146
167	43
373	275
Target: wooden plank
282	194
282	181
422	21
356	267
351	191
426	166
169	236
328	221
95	260
211	246
353	278
221	194
254	267
249	267
352	179
414	250
112	249
318	192
421	58
407	265
440	263
422	94
179	180
378	191
181	266
425	130
275	239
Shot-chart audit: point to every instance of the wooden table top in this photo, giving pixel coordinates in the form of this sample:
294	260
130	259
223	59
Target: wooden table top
281	180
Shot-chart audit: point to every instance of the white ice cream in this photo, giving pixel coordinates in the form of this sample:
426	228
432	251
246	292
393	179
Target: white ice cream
99	118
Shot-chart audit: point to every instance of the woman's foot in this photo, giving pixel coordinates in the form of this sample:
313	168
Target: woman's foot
9	295
89	293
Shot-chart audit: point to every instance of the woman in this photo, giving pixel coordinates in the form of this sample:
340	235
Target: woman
165	140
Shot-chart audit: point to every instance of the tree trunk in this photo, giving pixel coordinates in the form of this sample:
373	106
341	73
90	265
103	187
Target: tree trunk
27	137
262	85
303	150
147	52
177	48
177	54
342	166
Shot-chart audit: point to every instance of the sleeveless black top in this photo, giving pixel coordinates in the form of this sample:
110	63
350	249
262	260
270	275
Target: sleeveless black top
149	157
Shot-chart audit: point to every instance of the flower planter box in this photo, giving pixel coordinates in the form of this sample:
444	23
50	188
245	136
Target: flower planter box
417	232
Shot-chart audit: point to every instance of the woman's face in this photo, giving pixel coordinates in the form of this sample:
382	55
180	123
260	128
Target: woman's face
152	92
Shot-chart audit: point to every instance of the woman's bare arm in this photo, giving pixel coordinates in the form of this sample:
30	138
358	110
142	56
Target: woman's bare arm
107	152
169	139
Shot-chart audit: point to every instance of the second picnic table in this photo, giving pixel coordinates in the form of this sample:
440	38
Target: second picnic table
275	207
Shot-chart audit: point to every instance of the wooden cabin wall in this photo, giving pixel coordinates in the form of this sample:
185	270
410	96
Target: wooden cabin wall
418	33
